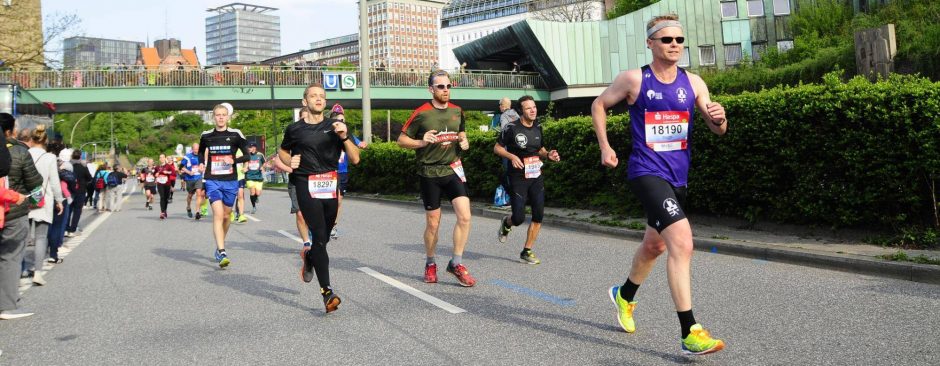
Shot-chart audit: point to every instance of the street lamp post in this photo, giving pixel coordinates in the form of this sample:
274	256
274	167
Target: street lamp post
72	136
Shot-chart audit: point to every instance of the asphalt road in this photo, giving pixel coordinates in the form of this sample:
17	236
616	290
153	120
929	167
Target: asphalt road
144	291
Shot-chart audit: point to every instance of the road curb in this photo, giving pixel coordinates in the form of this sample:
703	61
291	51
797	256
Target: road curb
835	261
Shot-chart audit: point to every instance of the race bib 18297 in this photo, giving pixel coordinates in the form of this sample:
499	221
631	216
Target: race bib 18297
322	186
667	130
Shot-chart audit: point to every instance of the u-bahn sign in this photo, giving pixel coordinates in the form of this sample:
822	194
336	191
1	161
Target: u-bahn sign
334	81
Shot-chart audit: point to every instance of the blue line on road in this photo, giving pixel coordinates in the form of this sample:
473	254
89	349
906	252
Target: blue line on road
533	293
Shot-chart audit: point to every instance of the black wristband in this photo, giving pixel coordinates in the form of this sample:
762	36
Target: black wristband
345	139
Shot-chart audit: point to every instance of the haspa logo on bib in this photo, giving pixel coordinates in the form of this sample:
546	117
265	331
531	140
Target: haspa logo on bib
653	94
671	206
681	94
521	140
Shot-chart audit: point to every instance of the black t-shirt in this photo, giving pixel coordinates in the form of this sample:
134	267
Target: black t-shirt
319	147
120	176
521	141
215	146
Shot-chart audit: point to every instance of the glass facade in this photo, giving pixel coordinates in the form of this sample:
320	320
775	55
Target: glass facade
242	36
85	52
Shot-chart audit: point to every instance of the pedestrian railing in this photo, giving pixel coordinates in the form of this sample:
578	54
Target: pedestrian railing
253	76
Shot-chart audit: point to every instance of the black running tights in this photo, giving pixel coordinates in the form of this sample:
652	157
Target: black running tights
164	195
320	216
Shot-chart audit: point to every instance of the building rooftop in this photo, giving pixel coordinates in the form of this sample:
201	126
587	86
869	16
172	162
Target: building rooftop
233	7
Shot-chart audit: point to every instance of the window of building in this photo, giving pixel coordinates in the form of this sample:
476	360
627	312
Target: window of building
781	7
733	54
755	8
706	55
757	50
729	9
685	60
784	46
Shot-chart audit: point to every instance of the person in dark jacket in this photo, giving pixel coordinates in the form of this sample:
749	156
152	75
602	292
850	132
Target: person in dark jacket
83	176
23	178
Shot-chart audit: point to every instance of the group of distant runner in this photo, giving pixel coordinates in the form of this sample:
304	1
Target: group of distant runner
316	149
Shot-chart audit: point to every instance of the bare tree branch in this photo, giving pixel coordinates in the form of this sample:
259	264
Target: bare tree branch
568	10
22	46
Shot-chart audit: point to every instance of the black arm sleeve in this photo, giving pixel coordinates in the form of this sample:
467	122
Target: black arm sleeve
243	146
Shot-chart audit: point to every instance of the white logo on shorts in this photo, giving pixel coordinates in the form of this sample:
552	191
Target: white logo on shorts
672	207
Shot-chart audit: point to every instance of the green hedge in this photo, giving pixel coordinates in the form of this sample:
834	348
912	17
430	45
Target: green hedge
836	154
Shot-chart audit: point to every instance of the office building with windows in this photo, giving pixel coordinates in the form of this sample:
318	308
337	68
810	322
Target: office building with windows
87	52
242	33
403	34
328	52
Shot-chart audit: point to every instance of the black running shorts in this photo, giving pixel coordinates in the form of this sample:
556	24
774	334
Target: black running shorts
661	201
432	188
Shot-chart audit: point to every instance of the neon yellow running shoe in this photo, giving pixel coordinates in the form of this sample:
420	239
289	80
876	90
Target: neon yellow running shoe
242	219
699	342
624	310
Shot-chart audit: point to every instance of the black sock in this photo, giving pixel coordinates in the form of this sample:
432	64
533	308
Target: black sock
326	291
321	263
254	200
221	251
628	290
686	321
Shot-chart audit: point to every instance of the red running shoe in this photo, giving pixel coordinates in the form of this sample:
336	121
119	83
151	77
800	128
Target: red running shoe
430	273
462	274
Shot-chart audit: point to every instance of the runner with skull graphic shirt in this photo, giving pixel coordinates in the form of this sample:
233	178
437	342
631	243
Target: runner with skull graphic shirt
520	142
217	147
311	147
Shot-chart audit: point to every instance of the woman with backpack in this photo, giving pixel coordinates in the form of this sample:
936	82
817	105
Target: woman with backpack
101	187
41	215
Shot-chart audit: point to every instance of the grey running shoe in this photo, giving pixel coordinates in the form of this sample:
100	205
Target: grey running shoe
503	232
527	256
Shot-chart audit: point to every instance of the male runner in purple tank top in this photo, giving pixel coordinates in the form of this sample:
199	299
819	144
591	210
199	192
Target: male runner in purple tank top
662	99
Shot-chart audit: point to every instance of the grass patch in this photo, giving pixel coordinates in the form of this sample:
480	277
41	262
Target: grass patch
901	256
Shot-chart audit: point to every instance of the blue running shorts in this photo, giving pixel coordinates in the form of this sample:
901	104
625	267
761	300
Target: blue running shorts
225	190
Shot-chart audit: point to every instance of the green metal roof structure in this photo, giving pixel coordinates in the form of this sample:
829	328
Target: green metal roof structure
592	53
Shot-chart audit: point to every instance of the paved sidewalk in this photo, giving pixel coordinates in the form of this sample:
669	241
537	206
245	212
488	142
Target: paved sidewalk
793	245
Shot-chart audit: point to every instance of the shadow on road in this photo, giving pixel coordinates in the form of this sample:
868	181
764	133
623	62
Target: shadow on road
248	284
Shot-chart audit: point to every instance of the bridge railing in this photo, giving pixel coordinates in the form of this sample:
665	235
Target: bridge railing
254	76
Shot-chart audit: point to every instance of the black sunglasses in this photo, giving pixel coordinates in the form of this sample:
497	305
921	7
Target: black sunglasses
668	40
443	86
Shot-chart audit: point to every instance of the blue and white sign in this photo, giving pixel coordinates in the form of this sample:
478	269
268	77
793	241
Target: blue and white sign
330	81
334	81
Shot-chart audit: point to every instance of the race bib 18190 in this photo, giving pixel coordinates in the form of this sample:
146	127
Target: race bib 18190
667	130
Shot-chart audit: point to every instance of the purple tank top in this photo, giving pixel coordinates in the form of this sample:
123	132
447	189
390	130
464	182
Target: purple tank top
661	126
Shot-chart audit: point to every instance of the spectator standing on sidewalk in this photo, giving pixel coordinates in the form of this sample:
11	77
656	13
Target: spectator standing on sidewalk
40	218
117	192
79	195
68	183
101	187
22	177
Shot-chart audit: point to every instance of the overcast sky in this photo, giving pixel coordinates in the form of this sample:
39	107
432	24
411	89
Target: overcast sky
302	21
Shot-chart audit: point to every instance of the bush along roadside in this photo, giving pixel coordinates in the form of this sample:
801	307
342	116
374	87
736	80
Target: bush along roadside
837	154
